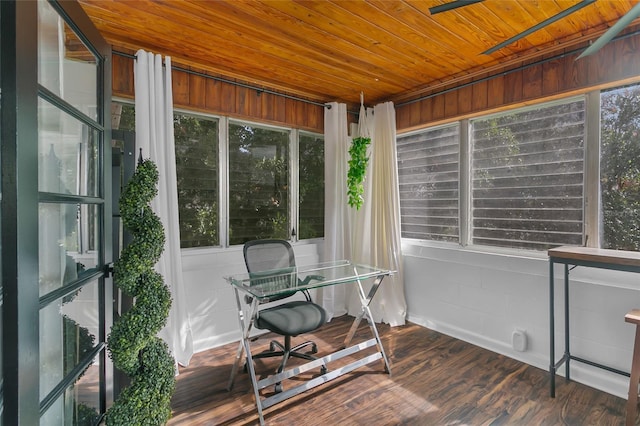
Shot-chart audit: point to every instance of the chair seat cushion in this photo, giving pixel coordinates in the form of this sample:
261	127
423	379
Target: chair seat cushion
292	318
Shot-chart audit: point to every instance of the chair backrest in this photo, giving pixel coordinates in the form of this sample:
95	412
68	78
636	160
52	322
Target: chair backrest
269	255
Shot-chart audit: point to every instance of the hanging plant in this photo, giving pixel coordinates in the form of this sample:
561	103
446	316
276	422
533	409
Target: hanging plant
133	345
357	169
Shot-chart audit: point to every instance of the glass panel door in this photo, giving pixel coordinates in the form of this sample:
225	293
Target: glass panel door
73	250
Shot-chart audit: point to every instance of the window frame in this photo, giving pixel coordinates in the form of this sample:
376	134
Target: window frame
592	215
210	117
223	173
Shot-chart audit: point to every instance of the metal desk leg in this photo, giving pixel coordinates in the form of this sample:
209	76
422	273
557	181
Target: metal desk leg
552	340
567	356
552	343
365	300
245	325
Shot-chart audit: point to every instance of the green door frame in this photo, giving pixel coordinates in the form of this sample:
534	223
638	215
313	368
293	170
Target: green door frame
20	351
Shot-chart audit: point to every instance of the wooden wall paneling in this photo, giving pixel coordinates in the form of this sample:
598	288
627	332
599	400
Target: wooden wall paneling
601	65
495	91
267	106
551	72
290	111
280	109
451	103
414	114
403	116
213	98
227	98
200	93
302	118
618	63
437	109
315	115
180	87
122	76
465	96
425	107
617	60
575	73
513	87
629	56
242	107
254	99
197	91
479	99
532	82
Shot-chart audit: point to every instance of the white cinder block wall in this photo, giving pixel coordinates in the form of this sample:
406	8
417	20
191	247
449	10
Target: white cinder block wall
477	296
482	297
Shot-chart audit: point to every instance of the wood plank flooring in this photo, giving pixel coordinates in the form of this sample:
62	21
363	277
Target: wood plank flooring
436	380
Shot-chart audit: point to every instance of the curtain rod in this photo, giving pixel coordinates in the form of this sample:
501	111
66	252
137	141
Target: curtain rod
235	83
524	67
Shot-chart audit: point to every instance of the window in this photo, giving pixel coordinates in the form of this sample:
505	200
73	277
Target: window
273	188
428	164
522	173
311	186
527	177
258	183
620	168
197	165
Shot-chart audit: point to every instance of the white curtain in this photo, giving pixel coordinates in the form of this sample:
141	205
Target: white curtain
154	135
336	219
376	231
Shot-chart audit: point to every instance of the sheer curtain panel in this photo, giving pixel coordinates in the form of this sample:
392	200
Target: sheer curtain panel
154	135
336	219
376	226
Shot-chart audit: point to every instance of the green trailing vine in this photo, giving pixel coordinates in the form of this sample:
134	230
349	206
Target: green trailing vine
357	169
133	345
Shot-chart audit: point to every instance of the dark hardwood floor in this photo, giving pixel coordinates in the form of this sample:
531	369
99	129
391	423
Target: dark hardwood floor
436	380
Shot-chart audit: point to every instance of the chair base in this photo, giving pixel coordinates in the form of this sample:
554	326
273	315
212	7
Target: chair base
286	351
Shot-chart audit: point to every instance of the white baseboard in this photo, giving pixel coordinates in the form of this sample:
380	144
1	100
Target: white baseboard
597	378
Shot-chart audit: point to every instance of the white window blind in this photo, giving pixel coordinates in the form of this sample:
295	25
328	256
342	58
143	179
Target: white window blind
527	177
428	173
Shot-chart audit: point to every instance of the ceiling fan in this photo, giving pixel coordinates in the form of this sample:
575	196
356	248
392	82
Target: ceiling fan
593	48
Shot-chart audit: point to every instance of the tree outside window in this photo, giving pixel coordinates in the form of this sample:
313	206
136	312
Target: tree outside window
258	183
311	186
620	168
196	141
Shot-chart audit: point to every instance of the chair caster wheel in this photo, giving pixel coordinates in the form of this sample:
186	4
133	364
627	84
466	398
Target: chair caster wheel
323	369
314	349
278	387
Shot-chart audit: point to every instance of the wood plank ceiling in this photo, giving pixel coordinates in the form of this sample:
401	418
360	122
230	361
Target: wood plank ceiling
333	50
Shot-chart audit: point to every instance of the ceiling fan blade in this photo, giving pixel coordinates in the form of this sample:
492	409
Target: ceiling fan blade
540	25
612	32
451	5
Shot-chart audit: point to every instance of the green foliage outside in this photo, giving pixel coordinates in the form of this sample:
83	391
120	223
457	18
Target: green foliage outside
196	141
620	168
311	187
258	184
259	193
527	188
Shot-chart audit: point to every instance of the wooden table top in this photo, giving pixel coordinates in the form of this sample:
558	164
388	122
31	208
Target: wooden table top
597	255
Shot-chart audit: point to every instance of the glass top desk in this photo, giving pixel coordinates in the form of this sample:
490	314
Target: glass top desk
263	286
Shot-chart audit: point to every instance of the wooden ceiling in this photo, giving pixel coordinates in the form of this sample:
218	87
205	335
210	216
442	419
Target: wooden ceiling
333	50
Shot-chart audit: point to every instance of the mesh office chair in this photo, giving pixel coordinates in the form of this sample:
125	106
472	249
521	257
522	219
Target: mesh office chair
287	319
